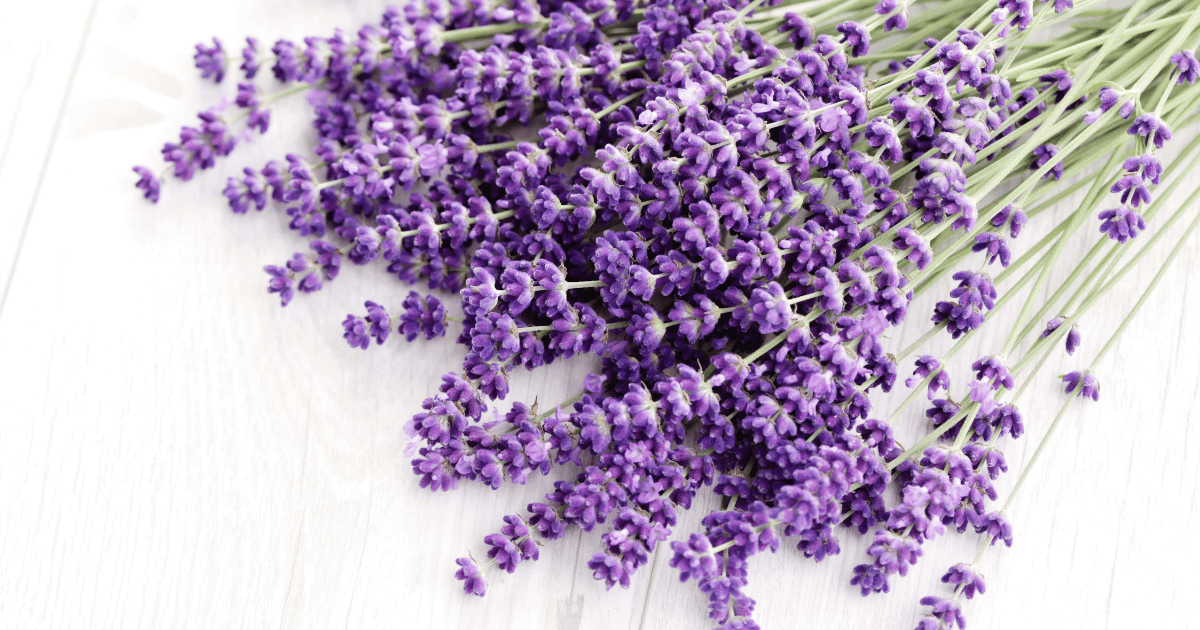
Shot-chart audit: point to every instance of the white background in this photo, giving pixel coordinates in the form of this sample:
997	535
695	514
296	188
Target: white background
176	451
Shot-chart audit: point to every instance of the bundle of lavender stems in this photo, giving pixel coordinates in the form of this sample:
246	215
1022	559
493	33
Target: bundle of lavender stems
728	203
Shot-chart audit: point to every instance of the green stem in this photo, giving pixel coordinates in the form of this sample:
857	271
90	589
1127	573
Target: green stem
1149	289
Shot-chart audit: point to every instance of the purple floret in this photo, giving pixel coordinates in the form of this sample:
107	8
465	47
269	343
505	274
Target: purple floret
211	60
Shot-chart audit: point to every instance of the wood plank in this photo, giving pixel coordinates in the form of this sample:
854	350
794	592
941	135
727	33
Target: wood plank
45	70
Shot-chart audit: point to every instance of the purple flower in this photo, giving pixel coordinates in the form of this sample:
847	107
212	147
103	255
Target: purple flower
1006	419
480	294
1151	128
994	246
892	553
855	37
148	183
966	580
769	308
356	332
996	527
1053	325
927	365
1122	223
882	134
1014	216
920	252
1060	81
436	474
680	250
975	296
472	578
1043	154
1020	10
247	96
328	258
423	316
1186	65
281	282
941	411
379	322
1108	98
495	337
918	116
512	545
827	283
1073	339
211	61
609	569
986	456
251	189
992	368
698	320
983	394
198	147
287	61
546	521
1089	386
250	60
1150	168
1141	172
945	612
897	20
800	31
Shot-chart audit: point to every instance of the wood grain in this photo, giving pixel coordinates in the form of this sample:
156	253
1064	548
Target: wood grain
176	451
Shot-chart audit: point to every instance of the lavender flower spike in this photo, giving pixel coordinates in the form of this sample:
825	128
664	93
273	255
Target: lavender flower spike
927	365
1186	65
1073	339
211	60
945	614
471	577
149	183
1121	224
356	332
1053	325
966	580
1086	381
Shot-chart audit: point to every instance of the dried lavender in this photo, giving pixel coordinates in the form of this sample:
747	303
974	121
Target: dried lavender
728	204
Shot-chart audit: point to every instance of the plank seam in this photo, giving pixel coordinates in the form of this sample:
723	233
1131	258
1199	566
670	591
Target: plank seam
62	110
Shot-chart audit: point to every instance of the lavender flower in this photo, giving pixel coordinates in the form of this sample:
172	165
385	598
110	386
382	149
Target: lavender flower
1043	155
927	365
471	577
512	545
211	61
250	58
1186	65
1151	128
148	183
769	309
945	613
966	580
1073	339
1122	223
730	227
424	315
994	247
996	527
975	296
1089	386
356	332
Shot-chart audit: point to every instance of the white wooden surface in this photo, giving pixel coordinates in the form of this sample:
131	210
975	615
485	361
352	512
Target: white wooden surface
176	451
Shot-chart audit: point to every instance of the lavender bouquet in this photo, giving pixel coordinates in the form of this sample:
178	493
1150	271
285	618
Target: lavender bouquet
729	204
